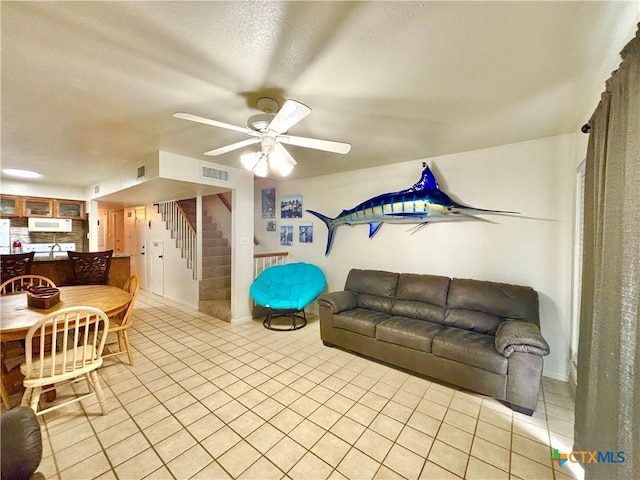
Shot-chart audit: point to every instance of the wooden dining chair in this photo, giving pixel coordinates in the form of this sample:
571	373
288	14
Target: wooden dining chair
12	352
121	323
76	336
90	268
20	283
15	264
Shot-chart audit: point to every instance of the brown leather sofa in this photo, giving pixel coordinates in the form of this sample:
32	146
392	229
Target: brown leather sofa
483	336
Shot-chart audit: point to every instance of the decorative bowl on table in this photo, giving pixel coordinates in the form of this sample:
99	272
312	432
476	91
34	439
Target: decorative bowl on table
42	297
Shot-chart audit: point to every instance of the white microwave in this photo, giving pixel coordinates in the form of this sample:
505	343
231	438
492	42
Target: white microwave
49	224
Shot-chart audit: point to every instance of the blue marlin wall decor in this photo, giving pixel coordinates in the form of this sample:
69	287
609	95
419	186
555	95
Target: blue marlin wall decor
422	203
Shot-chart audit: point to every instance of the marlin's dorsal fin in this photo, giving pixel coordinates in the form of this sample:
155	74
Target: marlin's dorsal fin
427	180
373	228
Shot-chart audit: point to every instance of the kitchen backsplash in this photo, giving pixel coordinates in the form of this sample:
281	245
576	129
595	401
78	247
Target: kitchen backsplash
77	235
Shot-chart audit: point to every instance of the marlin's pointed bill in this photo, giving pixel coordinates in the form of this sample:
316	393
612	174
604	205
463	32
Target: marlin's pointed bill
421	203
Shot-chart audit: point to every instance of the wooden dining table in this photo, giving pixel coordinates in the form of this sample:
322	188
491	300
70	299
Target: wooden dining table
18	317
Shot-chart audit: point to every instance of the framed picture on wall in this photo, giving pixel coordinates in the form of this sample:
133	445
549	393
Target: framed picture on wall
286	235
271	226
269	203
305	234
291	206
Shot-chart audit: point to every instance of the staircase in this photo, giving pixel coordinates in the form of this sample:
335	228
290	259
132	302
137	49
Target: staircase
215	286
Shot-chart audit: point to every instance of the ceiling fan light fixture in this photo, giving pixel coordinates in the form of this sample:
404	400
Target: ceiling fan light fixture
261	169
279	164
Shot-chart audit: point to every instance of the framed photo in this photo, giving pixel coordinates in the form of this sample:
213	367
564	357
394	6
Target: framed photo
305	234
291	206
271	226
286	235
269	203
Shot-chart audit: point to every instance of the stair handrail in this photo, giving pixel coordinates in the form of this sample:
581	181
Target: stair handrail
193	227
262	261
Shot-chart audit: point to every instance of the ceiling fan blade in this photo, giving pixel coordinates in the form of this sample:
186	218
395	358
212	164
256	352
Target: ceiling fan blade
327	145
233	146
290	114
286	155
215	123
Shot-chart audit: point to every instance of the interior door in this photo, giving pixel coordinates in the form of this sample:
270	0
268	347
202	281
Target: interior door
156	275
118	231
138	260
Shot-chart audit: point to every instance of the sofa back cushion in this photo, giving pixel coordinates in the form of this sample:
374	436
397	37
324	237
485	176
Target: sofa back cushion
376	289
423	297
492	303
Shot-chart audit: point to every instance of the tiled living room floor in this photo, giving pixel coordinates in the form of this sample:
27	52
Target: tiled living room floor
210	400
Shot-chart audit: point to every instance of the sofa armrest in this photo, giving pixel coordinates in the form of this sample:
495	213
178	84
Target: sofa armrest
339	301
520	336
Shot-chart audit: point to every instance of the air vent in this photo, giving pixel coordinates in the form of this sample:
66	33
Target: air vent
96	189
214	173
142	172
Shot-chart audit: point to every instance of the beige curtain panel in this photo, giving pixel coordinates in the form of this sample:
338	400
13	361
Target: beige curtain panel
608	390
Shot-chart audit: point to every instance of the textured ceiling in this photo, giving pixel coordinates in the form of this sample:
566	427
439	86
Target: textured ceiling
89	86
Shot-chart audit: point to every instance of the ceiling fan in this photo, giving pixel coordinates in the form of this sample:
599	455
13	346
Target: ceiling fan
269	129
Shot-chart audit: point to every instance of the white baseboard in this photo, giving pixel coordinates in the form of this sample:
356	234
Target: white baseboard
181	302
241	320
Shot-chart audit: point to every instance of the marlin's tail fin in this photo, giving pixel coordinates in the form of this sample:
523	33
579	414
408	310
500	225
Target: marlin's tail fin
330	227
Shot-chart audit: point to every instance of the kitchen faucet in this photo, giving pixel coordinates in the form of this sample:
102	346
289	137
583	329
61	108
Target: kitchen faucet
53	247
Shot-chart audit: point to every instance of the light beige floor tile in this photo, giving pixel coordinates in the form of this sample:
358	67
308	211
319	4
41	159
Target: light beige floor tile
220	441
531	431
374	445
385	473
320	393
384	390
495	418
325	417
397	412
448	457
310	467
265	437
192	413
432	471
356	464
230	411
205	426
70	436
491	453
287	396
127	448
307	433
415	441
286	420
238	458
75	453
493	434
431	408
246	423
339	403
347	429
263	469
479	470
455	437
285	454
139	466
530	449
190	462
117	433
331	449
362	414
172	446
305	406
438	396
161	430
406	399
527	469
268	408
424	423
405	462
386	426
88	467
149	417
462	405
373	401
461	421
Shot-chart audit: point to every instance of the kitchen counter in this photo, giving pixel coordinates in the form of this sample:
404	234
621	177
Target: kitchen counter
59	270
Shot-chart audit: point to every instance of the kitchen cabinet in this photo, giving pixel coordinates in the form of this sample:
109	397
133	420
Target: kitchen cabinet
38	207
69	209
10	206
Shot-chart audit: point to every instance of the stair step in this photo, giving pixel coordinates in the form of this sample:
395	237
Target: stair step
213	242
209	284
216	272
220	309
214	251
216	261
209	225
208	233
223	293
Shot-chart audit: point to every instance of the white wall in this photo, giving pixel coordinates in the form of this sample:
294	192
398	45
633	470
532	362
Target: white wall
533	248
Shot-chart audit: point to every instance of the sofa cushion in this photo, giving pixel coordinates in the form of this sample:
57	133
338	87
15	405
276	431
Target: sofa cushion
360	320
407	332
471	320
430	289
471	348
372	282
498	299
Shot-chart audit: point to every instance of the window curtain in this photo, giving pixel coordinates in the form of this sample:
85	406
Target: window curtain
608	386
